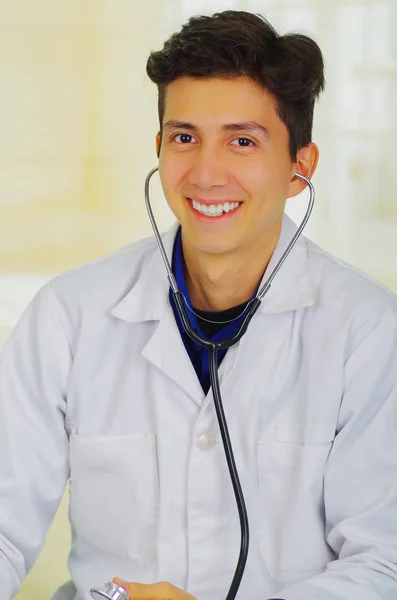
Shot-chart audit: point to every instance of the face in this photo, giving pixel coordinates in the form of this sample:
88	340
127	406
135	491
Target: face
224	163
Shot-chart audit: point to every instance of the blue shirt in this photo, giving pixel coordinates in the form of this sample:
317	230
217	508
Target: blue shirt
198	354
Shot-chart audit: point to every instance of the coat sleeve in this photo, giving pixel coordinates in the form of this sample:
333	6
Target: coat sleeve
360	480
33	441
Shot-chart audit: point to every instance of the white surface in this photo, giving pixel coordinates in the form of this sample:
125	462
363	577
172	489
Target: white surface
15	293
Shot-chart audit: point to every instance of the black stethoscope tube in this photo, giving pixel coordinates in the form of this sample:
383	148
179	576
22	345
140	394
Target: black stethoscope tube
213	348
238	492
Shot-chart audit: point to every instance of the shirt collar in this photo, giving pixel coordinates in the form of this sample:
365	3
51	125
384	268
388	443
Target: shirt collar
291	289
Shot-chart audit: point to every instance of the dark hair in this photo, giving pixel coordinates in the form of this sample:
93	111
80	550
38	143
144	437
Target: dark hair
232	44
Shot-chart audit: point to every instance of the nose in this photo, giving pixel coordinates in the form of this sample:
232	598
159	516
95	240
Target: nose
208	169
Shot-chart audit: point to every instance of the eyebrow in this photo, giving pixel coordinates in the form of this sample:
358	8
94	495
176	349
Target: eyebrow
241	126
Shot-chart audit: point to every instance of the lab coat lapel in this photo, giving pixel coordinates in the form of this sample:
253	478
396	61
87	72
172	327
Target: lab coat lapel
148	301
291	288
166	350
266	350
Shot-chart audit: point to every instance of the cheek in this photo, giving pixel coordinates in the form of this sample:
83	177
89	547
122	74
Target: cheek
267	184
171	174
257	179
275	173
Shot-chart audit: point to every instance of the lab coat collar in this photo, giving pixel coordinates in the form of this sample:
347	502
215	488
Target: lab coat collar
291	288
147	300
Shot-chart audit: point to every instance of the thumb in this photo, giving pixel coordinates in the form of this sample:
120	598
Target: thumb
120	582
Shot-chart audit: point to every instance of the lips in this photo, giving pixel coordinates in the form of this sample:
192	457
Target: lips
213	211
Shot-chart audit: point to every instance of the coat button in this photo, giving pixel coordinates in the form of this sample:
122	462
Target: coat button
206	441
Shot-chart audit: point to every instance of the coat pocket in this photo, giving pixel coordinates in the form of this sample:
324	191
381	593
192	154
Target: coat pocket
292	515
114	493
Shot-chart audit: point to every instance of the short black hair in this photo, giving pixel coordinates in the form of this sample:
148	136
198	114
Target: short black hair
233	44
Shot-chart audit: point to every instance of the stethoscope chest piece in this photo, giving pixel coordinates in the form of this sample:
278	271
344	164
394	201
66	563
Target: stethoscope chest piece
111	591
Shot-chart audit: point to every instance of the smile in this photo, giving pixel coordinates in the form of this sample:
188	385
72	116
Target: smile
215	210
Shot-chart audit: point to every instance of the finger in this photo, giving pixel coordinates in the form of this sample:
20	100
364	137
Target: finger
135	590
119	581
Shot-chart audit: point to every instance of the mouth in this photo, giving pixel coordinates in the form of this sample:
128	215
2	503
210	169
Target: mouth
217	210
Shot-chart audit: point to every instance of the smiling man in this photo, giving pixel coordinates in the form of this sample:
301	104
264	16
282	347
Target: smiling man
107	388
226	170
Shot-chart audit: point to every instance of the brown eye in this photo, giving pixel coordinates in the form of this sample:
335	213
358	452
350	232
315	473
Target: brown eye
183	138
243	142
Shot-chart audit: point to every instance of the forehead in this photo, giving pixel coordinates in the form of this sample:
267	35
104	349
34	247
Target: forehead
217	100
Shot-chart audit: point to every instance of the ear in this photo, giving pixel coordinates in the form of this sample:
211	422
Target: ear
158	144
305	164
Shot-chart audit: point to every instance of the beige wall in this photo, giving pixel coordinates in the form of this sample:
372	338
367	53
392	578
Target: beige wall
77	123
77	128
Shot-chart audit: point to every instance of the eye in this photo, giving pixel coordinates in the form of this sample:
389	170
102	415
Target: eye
183	138
243	142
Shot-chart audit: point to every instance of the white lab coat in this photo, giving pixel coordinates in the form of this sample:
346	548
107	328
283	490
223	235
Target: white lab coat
95	383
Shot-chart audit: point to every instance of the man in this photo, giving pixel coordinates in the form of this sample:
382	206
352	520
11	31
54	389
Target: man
106	387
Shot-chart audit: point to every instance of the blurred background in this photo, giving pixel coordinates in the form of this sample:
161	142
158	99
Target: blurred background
78	119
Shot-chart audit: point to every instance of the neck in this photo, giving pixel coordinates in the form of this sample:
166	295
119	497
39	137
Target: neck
221	281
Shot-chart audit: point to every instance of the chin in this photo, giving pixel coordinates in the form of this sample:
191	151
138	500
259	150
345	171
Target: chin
214	247
210	242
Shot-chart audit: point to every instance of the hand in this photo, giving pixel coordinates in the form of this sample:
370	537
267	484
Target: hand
154	591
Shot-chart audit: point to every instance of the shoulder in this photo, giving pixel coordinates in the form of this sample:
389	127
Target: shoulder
108	275
352	301
90	291
338	283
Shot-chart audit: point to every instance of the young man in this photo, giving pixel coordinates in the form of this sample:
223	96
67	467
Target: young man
107	388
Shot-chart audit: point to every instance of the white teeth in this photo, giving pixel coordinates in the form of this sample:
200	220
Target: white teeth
215	210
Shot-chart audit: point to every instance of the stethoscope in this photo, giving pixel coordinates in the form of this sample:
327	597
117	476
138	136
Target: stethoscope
111	590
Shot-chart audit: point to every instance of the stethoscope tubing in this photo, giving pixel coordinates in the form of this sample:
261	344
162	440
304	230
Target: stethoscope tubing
213	348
